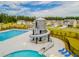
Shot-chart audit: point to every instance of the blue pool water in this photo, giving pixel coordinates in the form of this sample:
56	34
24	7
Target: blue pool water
9	34
25	53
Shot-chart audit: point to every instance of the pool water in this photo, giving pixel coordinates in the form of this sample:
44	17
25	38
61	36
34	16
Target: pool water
9	34
25	53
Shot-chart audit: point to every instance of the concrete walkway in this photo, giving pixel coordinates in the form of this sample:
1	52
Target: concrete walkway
23	42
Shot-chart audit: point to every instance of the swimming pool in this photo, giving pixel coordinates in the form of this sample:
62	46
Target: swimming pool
25	53
11	33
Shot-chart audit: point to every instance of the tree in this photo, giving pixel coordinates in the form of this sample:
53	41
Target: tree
54	18
4	18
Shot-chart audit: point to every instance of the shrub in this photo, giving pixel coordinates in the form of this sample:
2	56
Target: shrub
12	25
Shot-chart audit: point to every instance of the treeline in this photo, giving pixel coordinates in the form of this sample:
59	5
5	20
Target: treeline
62	18
5	18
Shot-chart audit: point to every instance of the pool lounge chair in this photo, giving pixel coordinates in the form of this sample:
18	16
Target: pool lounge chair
61	50
68	54
65	52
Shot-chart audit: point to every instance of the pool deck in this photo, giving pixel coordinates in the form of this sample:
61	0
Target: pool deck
23	42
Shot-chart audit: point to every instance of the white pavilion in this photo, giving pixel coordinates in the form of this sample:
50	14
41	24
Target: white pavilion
40	33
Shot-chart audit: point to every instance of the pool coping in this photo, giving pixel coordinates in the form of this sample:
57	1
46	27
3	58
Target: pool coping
13	29
13	36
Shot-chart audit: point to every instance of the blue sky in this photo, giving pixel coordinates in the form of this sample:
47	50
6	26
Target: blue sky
40	8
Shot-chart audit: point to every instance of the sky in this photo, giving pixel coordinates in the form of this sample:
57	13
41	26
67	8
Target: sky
40	8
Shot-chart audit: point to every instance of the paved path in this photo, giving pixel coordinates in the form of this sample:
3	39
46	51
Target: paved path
22	42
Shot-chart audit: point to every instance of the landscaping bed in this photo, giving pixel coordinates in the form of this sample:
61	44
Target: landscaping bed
5	26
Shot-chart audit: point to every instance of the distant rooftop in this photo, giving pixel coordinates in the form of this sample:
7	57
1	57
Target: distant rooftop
40	18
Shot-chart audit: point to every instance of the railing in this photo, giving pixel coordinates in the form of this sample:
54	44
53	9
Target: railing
40	35
47	47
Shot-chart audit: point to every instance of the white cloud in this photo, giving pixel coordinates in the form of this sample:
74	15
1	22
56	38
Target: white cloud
17	9
67	9
23	11
41	2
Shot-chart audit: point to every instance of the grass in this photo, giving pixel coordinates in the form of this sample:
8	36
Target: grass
74	43
69	35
